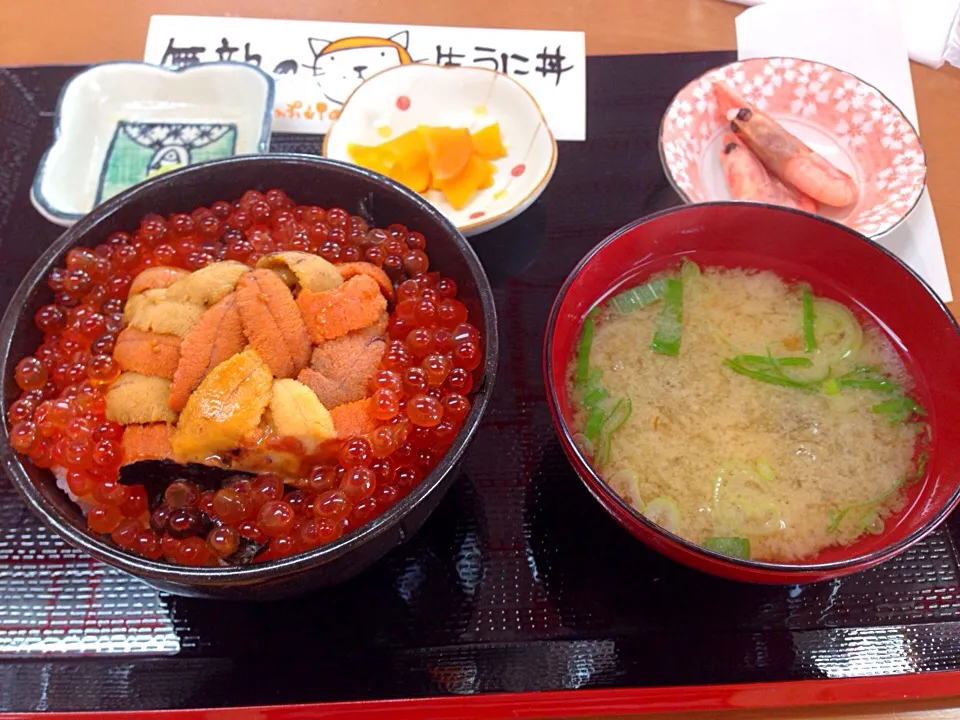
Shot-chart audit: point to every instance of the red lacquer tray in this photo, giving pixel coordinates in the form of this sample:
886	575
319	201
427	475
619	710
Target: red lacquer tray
519	597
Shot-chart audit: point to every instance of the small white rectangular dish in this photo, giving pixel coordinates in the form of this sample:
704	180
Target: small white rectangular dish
119	123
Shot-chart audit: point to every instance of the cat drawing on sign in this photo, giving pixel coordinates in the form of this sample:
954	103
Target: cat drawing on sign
340	66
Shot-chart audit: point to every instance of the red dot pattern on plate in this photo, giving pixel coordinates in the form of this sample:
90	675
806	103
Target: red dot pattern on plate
477	214
518	170
403	102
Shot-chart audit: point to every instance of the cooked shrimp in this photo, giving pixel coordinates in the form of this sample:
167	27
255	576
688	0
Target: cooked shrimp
748	179
785	155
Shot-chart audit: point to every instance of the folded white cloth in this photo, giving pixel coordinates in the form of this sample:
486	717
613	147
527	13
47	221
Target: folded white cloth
952	53
931	27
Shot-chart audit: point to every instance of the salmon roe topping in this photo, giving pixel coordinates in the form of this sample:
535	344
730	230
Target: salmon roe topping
419	395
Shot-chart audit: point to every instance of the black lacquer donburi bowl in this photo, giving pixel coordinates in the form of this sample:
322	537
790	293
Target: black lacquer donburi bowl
308	180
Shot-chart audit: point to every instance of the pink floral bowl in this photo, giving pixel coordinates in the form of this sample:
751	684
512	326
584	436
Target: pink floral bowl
846	120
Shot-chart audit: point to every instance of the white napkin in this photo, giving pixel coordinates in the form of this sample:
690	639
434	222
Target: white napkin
863	37
932	29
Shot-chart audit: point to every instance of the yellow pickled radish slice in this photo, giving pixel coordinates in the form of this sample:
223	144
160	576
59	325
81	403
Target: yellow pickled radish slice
488	144
448	150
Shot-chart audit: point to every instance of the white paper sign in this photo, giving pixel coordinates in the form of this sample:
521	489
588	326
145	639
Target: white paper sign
317	65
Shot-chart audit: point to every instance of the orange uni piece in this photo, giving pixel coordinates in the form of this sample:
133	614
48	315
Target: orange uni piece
354	305
217	335
353	418
340	369
146	442
352	269
272	322
147	353
156	278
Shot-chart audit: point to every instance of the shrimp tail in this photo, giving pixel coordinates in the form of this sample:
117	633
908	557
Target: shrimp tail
786	156
727	98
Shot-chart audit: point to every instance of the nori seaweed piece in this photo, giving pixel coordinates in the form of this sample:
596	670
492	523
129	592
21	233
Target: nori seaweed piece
155	475
247	550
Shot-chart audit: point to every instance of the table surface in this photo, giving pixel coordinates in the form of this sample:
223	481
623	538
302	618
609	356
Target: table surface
83	31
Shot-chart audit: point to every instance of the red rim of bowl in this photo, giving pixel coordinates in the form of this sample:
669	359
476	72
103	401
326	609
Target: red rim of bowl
686	198
578	460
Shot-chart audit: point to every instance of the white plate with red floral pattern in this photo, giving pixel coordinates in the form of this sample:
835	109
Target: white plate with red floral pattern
843	118
402	98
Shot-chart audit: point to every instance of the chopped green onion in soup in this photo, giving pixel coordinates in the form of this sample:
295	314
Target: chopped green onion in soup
809	322
583	351
664	512
638	297
626	484
669	330
734	546
750	440
584	443
838	333
765	471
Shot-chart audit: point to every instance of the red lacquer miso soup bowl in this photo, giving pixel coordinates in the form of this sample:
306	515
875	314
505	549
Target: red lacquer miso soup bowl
837	263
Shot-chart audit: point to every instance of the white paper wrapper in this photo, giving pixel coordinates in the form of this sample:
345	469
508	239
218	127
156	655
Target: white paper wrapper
931	28
952	53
